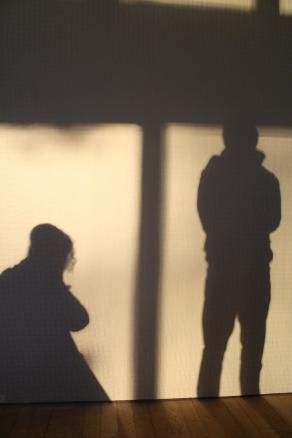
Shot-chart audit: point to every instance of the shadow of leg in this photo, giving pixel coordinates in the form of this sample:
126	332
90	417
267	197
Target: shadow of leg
218	321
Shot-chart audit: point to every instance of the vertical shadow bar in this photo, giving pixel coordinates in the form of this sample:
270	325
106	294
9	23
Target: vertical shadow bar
148	269
268	7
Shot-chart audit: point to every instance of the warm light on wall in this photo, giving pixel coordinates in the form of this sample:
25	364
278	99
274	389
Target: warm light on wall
86	181
286	7
223	4
188	149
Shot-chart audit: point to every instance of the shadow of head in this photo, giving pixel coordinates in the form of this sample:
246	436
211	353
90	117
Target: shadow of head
240	135
51	248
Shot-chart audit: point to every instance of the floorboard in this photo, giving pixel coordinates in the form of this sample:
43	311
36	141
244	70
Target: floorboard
268	416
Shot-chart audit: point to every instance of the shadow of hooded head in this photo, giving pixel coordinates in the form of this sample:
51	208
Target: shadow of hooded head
240	136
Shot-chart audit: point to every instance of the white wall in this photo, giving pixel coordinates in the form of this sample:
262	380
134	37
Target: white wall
188	150
86	181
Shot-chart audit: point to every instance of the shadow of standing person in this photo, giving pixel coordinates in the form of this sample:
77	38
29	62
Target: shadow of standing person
239	205
39	359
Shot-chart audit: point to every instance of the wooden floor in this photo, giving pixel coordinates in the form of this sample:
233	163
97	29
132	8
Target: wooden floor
265	416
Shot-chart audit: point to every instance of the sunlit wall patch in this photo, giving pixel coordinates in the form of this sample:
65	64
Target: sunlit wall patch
286	7
245	5
188	148
86	181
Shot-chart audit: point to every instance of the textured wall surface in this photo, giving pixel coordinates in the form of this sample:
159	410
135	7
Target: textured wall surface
86	181
110	110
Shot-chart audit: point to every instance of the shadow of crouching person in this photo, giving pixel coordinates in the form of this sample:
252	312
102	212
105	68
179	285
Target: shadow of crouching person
40	361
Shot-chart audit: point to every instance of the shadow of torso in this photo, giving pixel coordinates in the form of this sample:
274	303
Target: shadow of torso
239	207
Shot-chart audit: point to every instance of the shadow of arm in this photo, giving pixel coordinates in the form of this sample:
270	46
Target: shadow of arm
76	314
